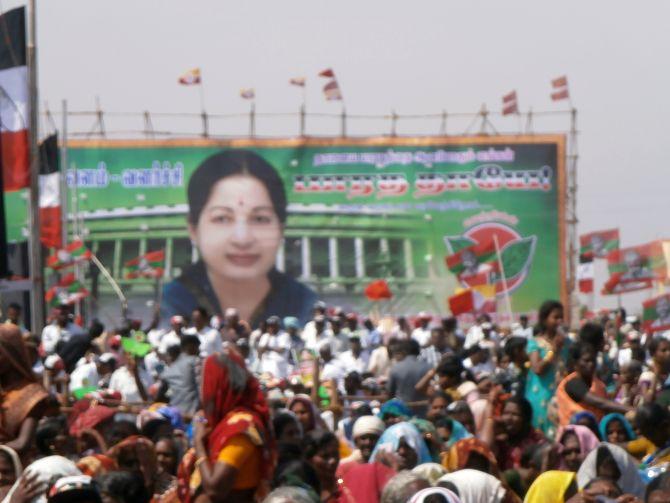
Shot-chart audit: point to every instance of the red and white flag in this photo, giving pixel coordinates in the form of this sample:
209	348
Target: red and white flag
510	104
247	93
191	77
585	276
49	199
559	89
332	91
298	81
14	103
327	73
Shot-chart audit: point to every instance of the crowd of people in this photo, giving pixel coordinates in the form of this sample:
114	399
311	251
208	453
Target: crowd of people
342	409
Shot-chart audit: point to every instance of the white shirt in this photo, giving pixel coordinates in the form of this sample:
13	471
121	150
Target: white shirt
210	340
272	362
379	363
168	340
84	376
523	332
333	370
421	335
123	381
53	334
351	362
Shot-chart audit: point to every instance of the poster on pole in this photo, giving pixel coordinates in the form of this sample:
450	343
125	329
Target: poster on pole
325	217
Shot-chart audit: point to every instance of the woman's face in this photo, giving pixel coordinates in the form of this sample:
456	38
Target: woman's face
238	232
325	461
512	419
616	433
662	355
304	415
437	407
554	320
290	434
586	365
572	453
166	455
407	456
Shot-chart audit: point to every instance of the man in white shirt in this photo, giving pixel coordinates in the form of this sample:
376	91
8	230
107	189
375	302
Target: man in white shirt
60	330
320	334
522	329
421	334
356	358
339	338
273	349
332	368
132	381
309	332
210	338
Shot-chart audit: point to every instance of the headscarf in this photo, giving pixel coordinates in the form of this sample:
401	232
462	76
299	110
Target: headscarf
458	455
46	469
14	350
390	440
234	404
91	418
587	439
395	407
96	465
364	483
160	412
366	425
550	487
475	486
448	495
315	422
458	432
585	414
616	416
16	461
430	471
630	480
74	488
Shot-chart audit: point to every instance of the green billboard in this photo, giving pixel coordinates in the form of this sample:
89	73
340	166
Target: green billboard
358	210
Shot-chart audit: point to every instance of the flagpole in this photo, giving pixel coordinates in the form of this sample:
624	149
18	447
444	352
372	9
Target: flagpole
508	302
63	175
114	284
34	244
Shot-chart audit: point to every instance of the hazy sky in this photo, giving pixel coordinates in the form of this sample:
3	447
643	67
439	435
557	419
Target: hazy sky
414	57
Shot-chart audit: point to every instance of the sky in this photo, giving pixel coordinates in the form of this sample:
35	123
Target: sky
412	57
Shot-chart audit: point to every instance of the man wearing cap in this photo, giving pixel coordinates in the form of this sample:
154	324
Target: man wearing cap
273	349
367	431
421	334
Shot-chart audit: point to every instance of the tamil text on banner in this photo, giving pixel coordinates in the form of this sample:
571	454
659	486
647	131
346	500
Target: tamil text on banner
323	218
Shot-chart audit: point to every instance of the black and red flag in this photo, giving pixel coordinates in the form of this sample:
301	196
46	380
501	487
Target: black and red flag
51	229
14	102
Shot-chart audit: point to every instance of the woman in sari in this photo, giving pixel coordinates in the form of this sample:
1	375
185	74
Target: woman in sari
548	353
474	486
471	453
22	399
402	447
613	463
233	459
307	413
575	442
616	429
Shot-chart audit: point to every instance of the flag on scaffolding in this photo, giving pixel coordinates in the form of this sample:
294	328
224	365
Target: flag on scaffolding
510	104
559	89
331	90
14	102
191	77
149	265
67	291
647	262
50	201
298	81
247	93
598	244
73	253
585	275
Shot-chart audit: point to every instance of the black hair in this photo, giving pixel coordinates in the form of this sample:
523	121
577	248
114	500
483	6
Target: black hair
603	479
523	317
651	416
125	487
281	421
545	310
95	329
514	344
121	430
441	394
444	422
46	432
316	440
593	334
577	350
524	406
297	473
228	163
203	312
450	366
603	454
660	483
449	324
14	305
447	484
655	343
